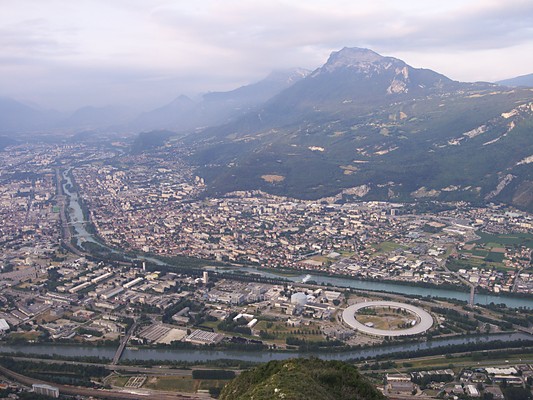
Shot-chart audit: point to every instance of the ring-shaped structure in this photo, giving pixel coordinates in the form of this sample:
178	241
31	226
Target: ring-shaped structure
424	319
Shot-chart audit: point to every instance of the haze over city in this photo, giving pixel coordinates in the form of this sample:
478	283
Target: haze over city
142	53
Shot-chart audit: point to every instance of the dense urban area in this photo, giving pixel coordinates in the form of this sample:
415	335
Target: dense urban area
104	247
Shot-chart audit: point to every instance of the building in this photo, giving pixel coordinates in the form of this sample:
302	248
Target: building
203	337
299	298
46	390
4	326
399	384
472	391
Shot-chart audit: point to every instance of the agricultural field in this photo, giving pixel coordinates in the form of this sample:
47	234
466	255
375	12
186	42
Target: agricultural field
172	383
493	251
515	239
387	247
184	384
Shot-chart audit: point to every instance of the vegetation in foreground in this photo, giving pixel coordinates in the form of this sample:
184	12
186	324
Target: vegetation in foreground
303	379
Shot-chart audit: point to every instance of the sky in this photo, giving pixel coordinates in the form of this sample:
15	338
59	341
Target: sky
65	54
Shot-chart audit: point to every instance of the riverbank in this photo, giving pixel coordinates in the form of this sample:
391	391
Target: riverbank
140	355
77	218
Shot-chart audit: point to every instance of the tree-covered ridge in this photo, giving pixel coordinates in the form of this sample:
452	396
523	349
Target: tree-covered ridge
303	379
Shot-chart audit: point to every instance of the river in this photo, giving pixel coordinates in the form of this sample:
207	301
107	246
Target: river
198	355
77	221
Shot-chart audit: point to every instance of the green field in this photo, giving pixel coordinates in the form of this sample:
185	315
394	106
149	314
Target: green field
515	239
456	265
461	361
207	384
387	247
281	331
119	381
495	257
171	383
489	250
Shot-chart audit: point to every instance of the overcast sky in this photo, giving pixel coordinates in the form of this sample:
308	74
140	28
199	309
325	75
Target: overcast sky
69	53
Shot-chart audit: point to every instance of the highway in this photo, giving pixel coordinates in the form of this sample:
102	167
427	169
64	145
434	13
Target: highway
160	371
100	393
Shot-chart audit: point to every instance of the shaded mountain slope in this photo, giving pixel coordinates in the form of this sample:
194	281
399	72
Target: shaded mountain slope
215	108
363	119
301	379
523	80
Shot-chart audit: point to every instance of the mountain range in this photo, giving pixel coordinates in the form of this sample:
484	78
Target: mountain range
180	115
524	80
361	126
364	126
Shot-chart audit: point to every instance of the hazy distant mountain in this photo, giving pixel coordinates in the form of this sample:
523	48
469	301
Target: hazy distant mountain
524	80
145	141
5	141
217	108
257	93
376	128
181	115
176	115
16	117
97	118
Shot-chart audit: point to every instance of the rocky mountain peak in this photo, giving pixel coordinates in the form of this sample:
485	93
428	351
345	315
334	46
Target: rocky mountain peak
287	76
363	60
349	55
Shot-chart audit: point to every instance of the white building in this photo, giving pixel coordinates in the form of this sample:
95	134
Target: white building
4	326
46	390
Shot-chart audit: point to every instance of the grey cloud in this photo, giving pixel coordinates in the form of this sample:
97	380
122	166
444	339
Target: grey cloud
263	26
34	38
233	43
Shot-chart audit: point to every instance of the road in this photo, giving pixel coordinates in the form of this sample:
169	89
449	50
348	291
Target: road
123	343
465	282
99	393
454	360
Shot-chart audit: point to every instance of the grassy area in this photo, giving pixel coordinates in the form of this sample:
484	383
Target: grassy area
119	381
206	384
387	247
482	255
281	331
211	324
386	320
459	362
518	239
321	259
479	263
495	257
32	335
347	253
172	383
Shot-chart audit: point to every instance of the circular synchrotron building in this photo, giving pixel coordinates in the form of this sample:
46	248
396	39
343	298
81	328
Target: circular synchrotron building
424	320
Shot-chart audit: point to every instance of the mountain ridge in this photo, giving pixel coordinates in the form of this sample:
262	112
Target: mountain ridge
522	80
347	126
181	115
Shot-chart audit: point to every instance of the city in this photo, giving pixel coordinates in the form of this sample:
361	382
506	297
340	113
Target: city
267	200
257	258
